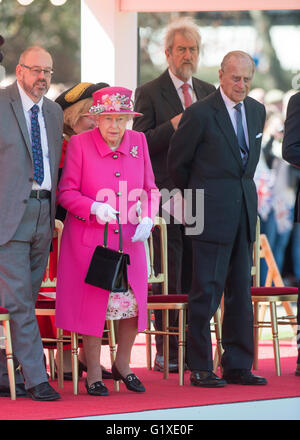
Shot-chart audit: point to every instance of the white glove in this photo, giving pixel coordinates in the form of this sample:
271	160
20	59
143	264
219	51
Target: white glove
103	212
143	230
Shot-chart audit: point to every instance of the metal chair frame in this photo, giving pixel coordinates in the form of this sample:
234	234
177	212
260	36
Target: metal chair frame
5	319
278	294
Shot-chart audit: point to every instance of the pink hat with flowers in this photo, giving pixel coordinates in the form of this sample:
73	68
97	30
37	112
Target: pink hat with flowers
113	101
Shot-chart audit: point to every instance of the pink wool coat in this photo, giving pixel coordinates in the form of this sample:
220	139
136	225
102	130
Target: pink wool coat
93	172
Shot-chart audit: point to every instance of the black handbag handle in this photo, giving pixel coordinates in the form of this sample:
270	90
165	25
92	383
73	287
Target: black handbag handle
120	235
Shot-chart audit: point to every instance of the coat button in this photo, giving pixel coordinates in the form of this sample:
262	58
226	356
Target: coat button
117	174
115	156
116	231
119	193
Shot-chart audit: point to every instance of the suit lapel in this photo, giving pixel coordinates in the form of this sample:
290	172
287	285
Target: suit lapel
252	129
19	112
224	122
49	123
169	93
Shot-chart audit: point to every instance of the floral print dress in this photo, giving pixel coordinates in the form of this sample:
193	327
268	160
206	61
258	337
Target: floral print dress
121	305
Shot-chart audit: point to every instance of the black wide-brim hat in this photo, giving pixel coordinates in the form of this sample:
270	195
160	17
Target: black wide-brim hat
82	90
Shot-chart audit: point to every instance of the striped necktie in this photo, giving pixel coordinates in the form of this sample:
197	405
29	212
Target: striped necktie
241	135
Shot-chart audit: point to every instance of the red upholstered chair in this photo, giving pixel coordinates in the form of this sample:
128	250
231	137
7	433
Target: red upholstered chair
166	302
271	295
4	319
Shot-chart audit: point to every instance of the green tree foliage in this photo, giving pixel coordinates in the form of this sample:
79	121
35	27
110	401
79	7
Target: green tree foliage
57	29
273	76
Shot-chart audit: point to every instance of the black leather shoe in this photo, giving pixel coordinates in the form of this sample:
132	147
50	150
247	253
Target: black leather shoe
43	392
20	391
159	364
96	389
105	373
243	377
131	381
206	379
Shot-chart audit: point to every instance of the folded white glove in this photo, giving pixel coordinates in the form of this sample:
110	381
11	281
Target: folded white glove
103	212
143	230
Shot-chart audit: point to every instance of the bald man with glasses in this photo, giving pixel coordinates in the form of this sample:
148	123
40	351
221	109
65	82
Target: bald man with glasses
30	148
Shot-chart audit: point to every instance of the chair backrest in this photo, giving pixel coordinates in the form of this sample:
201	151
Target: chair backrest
262	250
49	280
255	269
161	277
273	275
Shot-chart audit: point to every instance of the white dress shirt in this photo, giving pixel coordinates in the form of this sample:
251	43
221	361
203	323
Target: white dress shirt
232	113
27	103
178	83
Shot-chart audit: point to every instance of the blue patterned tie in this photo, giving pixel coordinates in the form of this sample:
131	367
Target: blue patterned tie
241	135
37	153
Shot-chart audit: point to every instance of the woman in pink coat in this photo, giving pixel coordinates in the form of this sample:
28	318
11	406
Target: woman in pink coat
107	171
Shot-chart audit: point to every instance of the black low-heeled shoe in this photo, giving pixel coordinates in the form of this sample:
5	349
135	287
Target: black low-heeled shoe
105	373
131	381
96	389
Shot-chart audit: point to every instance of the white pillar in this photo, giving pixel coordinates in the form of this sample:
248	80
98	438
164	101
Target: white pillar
108	44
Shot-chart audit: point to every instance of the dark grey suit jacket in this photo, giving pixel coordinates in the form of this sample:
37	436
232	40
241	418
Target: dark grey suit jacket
204	154
159	102
16	175
291	141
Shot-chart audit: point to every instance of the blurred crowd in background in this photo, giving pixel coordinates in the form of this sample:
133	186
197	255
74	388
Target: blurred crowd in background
277	183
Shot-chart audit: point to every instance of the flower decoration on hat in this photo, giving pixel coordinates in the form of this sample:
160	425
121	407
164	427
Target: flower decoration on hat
112	103
113	100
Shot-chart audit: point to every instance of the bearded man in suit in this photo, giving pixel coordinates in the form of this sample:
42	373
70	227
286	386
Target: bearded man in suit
162	102
30	149
216	149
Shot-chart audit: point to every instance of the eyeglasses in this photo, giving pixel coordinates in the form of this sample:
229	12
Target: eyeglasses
36	71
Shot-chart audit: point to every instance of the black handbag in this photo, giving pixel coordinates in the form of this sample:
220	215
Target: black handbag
108	268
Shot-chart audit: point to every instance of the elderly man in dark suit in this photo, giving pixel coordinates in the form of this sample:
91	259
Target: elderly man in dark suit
291	153
30	149
162	102
216	149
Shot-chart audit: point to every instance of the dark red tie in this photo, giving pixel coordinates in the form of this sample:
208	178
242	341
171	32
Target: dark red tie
186	94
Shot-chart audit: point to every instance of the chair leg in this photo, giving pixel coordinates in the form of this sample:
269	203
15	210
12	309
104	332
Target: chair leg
219	348
74	349
261	317
148	342
112	347
9	360
60	359
51	363
181	345
166	347
255	334
274	324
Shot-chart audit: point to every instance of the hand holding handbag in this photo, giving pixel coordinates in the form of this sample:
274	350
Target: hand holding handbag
108	268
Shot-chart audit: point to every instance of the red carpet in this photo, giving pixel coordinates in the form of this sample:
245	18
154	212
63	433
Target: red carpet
160	394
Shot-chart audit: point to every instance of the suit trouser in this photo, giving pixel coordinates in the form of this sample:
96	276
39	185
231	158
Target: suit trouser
218	268
177	254
22	266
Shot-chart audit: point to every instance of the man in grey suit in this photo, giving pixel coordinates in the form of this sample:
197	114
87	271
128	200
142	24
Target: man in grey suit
162	102
30	149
